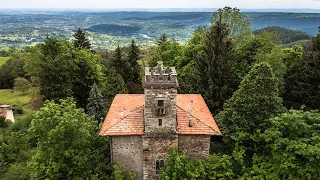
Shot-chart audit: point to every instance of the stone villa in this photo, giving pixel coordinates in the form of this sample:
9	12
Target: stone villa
143	127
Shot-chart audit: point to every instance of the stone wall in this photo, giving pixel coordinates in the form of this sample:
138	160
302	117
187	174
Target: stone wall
127	151
195	146
156	148
151	117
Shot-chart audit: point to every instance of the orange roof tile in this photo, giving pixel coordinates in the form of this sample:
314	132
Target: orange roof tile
125	116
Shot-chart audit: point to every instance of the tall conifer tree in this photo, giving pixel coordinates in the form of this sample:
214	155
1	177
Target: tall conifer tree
96	106
81	41
135	79
217	81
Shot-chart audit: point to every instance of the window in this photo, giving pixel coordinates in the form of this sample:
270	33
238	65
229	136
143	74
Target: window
161	109
159	165
160	122
160	103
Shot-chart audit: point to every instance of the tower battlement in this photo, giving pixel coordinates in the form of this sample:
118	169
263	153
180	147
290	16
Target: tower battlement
161	77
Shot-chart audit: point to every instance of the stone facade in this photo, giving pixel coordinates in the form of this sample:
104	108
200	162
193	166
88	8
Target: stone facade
195	146
127	151
156	148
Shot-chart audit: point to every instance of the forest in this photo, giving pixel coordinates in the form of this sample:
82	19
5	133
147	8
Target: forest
264	96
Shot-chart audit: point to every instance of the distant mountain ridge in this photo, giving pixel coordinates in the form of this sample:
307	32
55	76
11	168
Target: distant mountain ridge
285	35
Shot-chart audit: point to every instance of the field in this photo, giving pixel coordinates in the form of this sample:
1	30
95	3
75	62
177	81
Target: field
3	60
12	97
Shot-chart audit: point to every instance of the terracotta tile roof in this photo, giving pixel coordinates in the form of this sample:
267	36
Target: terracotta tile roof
125	116
194	116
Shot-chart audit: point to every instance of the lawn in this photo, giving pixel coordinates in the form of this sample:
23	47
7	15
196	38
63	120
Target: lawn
3	60
12	97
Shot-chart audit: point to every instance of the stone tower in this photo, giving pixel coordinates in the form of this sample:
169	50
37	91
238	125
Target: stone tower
160	125
160	91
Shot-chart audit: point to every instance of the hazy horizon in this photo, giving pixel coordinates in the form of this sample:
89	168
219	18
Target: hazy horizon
148	4
294	10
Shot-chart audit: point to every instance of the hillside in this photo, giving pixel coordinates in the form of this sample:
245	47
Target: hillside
285	35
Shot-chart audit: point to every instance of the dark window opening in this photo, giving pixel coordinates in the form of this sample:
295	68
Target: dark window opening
160	122
161	111
169	78
160	103
159	165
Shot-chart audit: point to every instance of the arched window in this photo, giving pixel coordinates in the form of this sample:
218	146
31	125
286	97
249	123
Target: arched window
159	165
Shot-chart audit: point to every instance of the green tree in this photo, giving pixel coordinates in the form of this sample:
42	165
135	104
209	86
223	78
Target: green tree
87	70
111	85
22	85
293	148
162	39
120	64
66	144
12	69
81	41
238	24
247	113
303	80
134	84
54	66
214	67
293	55
216	166
120	174
96	106
178	167
187	64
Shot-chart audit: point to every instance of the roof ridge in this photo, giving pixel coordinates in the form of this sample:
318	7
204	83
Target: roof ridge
198	119
130	112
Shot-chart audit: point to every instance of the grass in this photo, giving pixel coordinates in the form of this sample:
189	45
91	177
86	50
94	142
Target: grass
12	97
3	60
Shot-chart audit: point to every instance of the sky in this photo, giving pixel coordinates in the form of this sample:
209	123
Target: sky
114	4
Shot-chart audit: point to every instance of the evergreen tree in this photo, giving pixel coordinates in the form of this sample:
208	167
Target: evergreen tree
134	84
87	70
112	85
248	111
133	58
217	81
96	106
162	39
81	41
303	80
